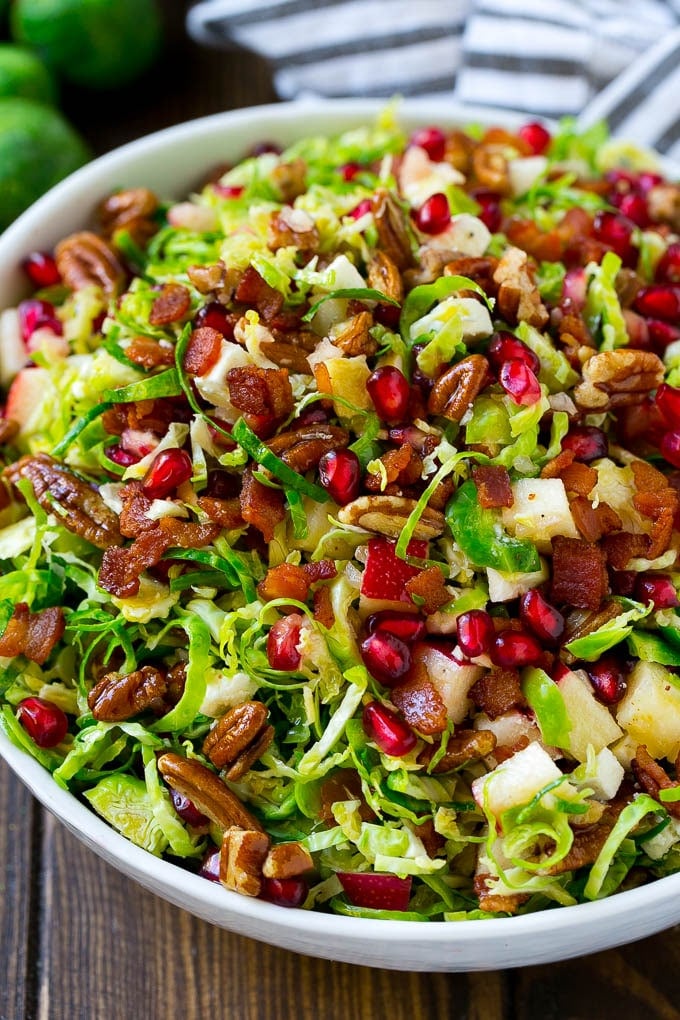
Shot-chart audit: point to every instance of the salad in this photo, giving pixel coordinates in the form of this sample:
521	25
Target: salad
339	521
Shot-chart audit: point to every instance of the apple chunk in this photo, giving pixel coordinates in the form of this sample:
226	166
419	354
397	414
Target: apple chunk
516	780
591	721
650	710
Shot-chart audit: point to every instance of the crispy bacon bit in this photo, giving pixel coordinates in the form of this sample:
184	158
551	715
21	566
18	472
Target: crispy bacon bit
648	478
430	838
544	246
657	500
261	391
494	903
579	574
171	305
493	486
287	581
345	784
498	691
133	516
579	478
624	546
653	778
260	506
555	467
593	522
403	467
323	607
32	634
421	704
121	568
203	350
225	512
429	587
464	746
188	534
255	292
149	353
320	570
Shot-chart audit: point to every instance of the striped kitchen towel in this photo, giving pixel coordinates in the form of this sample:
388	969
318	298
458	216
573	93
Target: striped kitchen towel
590	58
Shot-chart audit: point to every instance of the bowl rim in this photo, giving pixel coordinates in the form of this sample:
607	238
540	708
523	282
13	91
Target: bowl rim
201	895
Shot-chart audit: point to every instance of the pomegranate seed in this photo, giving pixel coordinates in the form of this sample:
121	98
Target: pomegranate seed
546	622
282	642
490	208
36	314
386	656
504	346
284	892
210	867
378	892
408	627
519	382
648	180
668	266
41	269
387	315
476	632
262	148
607	678
434	215
348	171
637	330
622	180
386	729
168	469
390	392
559	671
45	723
186	809
659	590
120	456
587	442
228	190
670	448
433	140
536	137
340	475
667	399
615	231
659	301
515	648
217	317
574	287
635	208
661	334
364	206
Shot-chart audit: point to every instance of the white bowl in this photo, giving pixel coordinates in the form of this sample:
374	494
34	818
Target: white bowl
172	162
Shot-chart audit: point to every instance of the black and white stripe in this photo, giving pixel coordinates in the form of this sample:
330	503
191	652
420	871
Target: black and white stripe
593	58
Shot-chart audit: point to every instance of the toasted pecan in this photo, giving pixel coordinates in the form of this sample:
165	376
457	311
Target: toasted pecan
239	738
117	697
211	796
242	857
613	379
287	860
84	259
457	387
463	746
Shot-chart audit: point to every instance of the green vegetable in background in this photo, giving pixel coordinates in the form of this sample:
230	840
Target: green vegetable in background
37	149
480	535
22	73
96	43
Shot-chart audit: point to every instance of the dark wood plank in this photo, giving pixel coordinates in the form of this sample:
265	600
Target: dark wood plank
638	982
19	888
131	947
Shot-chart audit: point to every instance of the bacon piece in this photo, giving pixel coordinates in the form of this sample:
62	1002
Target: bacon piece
255	292
543	246
421	704
121	568
579	478
320	570
648	478
555	467
495	903
133	516
261	391
463	746
429	586
653	778
593	521
579	575
493	485
188	534
287	581
323	607
498	691
402	467
203	350
260	506
32	634
345	784
171	305
624	546
225	512
149	353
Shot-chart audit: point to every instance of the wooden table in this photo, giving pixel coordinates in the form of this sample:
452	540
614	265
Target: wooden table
78	941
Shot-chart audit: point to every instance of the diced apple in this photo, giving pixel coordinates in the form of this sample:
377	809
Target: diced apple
523	172
419	176
608	776
347	381
591	721
26	395
465	233
516	780
540	511
650	710
452	679
624	750
13	355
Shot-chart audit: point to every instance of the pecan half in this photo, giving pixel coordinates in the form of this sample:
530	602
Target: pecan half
78	507
490	167
84	259
653	778
118	697
354	338
242	856
207	791
239	738
387	515
303	448
457	387
384	275
131	209
292	227
290	179
518	297
618	378
287	860
390	223
463	746
286	355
